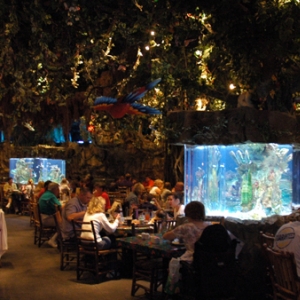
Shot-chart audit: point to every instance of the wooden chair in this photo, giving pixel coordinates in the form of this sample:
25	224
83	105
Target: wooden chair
90	258
267	240
41	233
67	249
31	212
25	206
286	283
160	226
213	273
148	272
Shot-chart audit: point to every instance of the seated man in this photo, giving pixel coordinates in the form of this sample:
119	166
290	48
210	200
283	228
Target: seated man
74	210
287	238
47	203
12	194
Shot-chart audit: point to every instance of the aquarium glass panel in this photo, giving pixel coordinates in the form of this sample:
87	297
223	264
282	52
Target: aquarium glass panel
38	169
247	181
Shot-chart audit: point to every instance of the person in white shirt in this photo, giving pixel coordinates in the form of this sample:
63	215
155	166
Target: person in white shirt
175	202
95	212
287	238
10	190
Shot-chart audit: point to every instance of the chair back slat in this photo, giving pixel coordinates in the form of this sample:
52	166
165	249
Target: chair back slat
267	238
160	225
285	279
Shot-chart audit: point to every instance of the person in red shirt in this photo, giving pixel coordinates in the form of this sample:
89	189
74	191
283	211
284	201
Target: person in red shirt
148	183
99	191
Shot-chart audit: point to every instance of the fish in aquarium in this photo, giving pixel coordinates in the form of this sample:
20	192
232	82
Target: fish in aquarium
248	181
38	169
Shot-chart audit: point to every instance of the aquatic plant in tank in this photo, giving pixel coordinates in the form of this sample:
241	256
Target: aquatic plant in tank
247	181
38	169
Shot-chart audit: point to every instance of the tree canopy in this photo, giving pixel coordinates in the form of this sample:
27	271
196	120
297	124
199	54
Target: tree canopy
56	56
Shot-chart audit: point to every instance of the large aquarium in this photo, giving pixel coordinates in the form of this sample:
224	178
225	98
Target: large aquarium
38	169
246	181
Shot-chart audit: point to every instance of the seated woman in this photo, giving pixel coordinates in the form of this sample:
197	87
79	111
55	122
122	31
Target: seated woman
174	200
95	212
191	231
133	199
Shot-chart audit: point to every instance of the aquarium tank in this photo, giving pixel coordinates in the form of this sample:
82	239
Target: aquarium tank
38	169
246	181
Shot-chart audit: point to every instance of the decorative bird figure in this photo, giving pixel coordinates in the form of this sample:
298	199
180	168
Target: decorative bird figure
118	108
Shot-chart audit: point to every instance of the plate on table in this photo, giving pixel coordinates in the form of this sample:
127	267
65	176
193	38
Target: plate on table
177	243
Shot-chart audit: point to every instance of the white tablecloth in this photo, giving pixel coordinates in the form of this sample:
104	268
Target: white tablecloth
3	234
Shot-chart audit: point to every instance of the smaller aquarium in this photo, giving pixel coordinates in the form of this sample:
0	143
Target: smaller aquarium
38	169
246	181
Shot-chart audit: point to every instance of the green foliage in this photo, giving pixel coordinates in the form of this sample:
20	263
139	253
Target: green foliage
53	51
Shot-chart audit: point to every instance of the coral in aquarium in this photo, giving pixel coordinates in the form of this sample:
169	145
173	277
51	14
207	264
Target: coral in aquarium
37	169
248	181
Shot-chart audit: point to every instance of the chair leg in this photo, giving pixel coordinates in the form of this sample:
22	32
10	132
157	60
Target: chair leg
40	238
35	235
97	268
61	257
133	290
78	265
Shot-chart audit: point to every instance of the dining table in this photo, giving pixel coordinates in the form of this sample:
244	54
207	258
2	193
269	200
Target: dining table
150	246
124	230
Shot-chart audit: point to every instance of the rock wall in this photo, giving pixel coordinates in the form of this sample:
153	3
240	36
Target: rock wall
233	126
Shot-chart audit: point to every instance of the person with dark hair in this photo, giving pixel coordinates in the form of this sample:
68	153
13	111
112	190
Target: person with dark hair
175	201
126	182
133	198
191	231
179	189
47	204
43	190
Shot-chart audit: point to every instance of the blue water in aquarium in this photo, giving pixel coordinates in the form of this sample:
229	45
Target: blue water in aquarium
248	181
38	169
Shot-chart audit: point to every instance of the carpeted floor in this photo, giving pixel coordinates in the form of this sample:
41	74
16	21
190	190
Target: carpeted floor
29	272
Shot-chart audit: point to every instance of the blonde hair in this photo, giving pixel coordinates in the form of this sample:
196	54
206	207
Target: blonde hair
95	206
159	183
39	186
